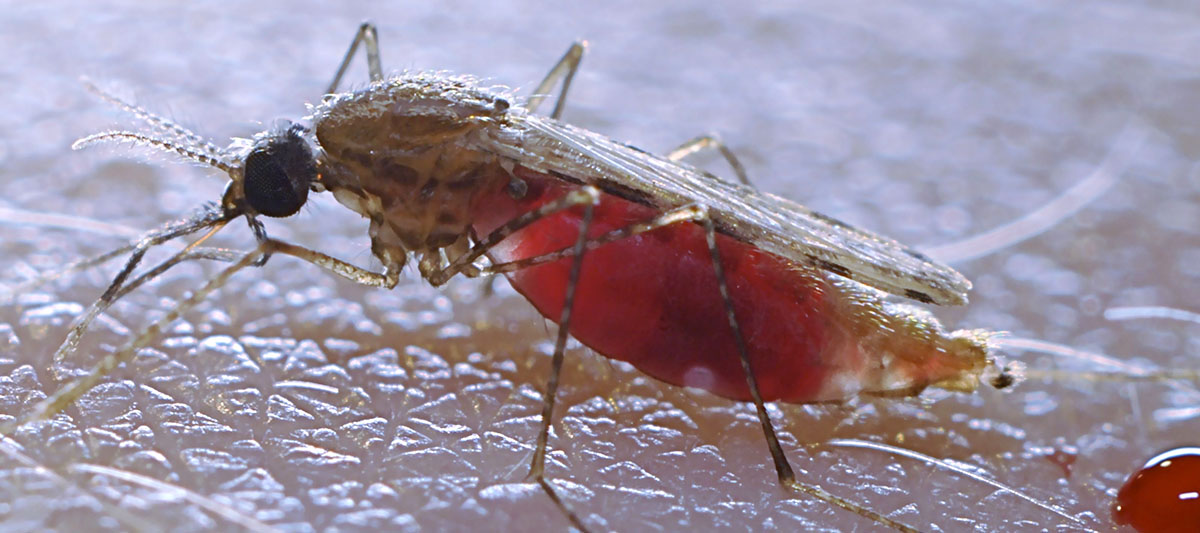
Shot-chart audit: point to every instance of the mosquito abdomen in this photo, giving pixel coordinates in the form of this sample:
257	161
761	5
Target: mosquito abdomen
653	300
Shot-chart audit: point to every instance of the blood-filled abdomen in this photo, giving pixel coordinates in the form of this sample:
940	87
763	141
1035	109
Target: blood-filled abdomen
653	300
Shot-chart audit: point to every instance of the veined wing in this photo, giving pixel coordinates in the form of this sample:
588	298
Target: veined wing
771	223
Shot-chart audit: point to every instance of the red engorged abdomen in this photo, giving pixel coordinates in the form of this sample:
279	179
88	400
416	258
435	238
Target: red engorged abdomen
652	300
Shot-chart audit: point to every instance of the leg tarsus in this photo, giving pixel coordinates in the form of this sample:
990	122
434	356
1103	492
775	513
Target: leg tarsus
554	497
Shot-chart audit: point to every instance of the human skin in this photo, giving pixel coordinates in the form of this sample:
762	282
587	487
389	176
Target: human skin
928	125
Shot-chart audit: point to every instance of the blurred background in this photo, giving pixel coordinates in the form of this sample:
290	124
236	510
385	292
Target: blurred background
298	402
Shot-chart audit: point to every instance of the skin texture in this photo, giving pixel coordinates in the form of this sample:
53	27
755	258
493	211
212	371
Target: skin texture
303	402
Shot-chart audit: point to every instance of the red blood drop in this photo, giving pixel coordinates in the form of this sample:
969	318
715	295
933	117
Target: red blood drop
1164	496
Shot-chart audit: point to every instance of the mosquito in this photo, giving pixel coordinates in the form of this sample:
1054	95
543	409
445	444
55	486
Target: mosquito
695	280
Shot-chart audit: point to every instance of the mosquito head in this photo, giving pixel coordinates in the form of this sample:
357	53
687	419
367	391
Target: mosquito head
271	173
278	171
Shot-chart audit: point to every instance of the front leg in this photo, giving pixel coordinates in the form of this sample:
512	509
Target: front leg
386	279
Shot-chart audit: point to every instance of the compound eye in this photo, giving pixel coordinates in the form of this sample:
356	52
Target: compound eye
277	176
269	189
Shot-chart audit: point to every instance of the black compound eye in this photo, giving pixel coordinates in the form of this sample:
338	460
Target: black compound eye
278	174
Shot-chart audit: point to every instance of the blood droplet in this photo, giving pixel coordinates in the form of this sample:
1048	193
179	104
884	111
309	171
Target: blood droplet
1164	496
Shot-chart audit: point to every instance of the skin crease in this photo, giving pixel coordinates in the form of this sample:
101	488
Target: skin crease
934	124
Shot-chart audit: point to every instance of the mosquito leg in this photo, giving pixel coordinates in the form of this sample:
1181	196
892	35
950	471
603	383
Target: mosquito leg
207	217
68	394
786	477
464	266
223	255
565	69
711	141
537	468
683	214
386	280
582	244
211	217
688	213
115	292
367	36
464	263
390	277
260	235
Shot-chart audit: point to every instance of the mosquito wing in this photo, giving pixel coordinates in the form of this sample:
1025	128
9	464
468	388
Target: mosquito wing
771	223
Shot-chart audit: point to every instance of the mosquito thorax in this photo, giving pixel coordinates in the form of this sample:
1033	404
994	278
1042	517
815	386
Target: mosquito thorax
410	153
278	171
415	111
